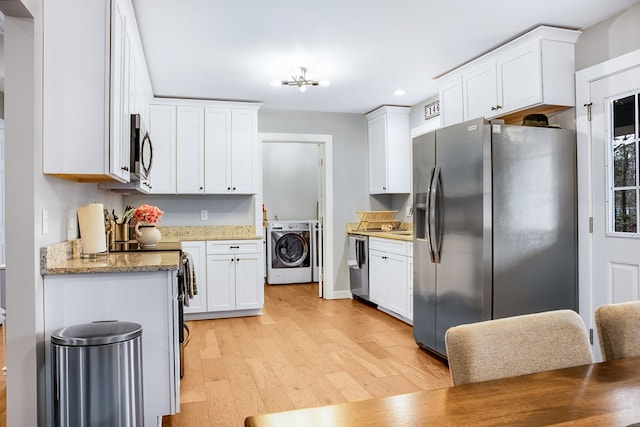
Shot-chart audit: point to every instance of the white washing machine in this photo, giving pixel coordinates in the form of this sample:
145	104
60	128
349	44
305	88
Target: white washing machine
288	252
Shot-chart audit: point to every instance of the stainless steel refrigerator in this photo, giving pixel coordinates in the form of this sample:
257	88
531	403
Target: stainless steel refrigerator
495	231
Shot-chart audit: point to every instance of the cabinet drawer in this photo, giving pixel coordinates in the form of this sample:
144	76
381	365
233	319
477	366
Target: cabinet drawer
388	245
232	246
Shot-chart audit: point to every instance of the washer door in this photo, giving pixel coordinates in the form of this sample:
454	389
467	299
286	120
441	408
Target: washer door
291	249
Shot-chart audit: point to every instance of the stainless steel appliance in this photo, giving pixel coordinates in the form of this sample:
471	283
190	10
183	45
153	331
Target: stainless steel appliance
495	225
288	252
358	262
141	154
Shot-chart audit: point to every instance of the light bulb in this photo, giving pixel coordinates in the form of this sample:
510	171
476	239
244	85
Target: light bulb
303	88
276	83
399	92
324	83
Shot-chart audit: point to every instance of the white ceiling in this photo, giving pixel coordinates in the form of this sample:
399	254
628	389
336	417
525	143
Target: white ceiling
233	49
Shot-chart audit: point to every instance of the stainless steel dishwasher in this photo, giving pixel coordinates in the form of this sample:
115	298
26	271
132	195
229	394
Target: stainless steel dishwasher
358	261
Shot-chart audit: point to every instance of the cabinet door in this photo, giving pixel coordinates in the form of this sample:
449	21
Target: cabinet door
119	151
217	150
244	153
397	283
249	282
520	78
197	251
190	150
378	154
480	92
162	131
410	288
451	103
378	277
221	282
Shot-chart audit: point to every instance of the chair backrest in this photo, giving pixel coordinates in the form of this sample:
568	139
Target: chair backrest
517	345
618	327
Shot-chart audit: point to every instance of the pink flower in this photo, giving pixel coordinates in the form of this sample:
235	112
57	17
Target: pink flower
147	213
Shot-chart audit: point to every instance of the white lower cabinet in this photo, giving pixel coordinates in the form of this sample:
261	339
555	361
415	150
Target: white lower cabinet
388	274
232	276
147	298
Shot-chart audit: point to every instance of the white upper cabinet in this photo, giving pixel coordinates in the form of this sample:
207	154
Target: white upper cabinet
90	65
162	131
389	150
451	95
533	73
190	150
213	143
231	154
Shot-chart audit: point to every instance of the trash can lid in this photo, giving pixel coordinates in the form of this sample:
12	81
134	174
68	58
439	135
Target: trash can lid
96	333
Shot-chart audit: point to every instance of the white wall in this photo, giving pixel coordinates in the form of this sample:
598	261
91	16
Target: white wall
609	38
290	174
185	209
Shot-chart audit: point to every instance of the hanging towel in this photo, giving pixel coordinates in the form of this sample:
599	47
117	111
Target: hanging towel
190	286
352	258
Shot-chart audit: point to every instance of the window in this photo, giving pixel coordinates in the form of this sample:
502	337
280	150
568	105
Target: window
623	160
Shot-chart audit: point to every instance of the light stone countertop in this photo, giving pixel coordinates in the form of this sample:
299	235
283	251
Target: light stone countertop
116	262
64	257
405	233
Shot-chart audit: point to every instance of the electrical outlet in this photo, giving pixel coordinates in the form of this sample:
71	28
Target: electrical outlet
204	215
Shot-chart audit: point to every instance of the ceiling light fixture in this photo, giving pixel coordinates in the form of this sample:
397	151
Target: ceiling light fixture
300	80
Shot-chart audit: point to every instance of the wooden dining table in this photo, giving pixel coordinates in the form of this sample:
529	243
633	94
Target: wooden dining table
599	394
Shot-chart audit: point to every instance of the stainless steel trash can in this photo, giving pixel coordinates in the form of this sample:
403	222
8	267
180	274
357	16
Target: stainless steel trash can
97	374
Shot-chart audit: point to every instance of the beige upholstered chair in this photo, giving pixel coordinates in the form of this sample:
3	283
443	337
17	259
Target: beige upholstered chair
618	327
517	345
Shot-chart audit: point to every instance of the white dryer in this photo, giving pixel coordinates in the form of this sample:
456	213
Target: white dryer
288	252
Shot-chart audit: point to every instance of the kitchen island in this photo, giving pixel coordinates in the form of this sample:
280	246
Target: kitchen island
140	287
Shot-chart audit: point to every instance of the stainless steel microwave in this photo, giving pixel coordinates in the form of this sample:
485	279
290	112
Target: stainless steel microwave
141	150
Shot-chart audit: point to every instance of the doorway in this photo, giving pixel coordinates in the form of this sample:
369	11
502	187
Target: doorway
324	207
608	182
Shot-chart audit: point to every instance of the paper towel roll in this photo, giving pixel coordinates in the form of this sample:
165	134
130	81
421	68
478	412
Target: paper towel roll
92	230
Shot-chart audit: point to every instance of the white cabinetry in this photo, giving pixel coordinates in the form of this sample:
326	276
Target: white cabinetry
389	150
230	150
162	131
190	150
198	253
533	73
410	281
451	95
217	146
147	298
232	273
90	65
388	274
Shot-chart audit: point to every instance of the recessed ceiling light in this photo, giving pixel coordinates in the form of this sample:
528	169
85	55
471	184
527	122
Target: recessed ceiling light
399	92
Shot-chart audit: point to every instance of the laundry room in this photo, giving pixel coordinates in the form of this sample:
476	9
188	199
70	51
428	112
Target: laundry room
291	197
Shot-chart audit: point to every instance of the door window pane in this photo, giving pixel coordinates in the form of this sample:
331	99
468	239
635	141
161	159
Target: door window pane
623	161
626	211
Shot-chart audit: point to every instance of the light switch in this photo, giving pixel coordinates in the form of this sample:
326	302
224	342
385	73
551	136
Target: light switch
204	215
45	222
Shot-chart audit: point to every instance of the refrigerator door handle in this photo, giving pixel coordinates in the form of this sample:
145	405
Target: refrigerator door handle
436	216
430	218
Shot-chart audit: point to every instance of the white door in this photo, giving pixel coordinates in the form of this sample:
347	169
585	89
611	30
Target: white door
615	262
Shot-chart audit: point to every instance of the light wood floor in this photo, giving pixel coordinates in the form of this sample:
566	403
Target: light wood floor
302	352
